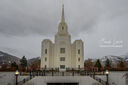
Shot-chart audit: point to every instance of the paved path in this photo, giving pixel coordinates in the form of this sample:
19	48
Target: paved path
43	80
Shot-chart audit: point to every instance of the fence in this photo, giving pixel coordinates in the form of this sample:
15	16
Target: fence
62	73
25	80
59	73
99	80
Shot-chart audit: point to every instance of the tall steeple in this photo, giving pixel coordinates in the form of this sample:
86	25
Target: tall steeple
62	17
62	28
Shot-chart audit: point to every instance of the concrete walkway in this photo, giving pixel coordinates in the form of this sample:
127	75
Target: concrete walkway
43	80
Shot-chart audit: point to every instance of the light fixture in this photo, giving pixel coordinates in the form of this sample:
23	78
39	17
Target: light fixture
17	72
107	72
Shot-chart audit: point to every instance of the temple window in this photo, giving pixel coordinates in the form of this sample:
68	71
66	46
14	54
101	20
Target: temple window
78	51
45	51
62	50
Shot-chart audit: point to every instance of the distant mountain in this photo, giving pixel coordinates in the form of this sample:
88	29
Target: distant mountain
32	60
8	58
125	57
114	59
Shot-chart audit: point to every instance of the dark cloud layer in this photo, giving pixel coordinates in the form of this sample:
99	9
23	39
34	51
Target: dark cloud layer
24	22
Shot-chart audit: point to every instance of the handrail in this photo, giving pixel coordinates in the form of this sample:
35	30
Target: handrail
24	80
60	73
99	80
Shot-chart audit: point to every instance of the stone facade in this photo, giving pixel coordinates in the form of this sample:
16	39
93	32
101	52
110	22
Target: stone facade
62	54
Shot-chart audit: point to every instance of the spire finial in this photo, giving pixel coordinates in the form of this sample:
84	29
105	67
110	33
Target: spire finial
62	18
63	5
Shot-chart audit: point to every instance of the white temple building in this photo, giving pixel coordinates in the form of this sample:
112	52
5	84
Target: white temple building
62	54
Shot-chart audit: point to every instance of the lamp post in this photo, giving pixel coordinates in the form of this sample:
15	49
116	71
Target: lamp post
30	74
44	72
52	72
16	74
72	72
107	73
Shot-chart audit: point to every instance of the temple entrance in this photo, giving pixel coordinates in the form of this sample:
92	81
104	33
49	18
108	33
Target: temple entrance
62	84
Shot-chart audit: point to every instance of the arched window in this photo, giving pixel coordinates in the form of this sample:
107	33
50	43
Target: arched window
78	59
62	28
78	51
45	51
78	66
45	66
45	59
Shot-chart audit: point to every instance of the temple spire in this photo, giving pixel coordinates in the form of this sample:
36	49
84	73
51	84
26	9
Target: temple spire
62	17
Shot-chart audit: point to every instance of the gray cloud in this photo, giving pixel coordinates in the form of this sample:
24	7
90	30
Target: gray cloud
26	22
28	17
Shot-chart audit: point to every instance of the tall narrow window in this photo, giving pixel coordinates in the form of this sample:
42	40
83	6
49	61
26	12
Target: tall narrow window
45	66
78	59
62	50
78	51
45	51
45	59
79	66
62	28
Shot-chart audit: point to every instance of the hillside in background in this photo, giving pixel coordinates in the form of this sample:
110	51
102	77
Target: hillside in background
114	59
8	58
33	60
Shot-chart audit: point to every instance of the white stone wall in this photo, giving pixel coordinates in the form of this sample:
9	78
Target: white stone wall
71	52
77	45
62	40
46	44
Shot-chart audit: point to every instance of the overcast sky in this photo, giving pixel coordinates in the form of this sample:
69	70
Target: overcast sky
101	24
